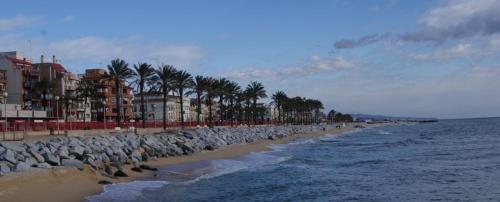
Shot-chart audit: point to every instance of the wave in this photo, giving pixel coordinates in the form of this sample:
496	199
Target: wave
383	132
252	161
125	191
132	190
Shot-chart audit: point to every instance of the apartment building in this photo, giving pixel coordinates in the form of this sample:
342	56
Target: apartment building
153	106
3	83
104	107
64	86
23	78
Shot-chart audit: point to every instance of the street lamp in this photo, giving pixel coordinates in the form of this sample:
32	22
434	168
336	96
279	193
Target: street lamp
57	113
5	95
104	114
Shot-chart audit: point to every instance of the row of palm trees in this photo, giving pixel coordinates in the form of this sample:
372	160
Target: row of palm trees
296	110
165	79
235	103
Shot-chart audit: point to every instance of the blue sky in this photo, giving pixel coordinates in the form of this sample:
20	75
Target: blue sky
409	58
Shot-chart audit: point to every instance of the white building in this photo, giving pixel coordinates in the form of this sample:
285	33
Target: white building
153	106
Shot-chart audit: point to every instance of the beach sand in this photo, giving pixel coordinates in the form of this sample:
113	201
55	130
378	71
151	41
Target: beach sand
71	184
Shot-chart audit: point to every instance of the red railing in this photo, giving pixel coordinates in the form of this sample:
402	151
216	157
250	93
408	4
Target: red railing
39	125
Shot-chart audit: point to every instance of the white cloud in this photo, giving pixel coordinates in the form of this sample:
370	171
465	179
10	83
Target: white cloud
458	19
315	65
460	50
17	22
93	50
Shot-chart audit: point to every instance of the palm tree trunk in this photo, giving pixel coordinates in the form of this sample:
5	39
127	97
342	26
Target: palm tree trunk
182	108
210	110
231	111
118	104
143	114
255	111
164	108
198	110
84	113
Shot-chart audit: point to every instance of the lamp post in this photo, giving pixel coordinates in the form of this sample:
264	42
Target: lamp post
5	95
104	114
57	113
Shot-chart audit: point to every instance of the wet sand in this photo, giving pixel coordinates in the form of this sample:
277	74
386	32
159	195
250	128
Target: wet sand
71	184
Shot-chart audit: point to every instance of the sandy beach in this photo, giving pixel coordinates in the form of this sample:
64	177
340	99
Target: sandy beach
71	184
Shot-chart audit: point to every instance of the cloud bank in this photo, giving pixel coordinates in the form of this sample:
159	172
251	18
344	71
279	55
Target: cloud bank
457	19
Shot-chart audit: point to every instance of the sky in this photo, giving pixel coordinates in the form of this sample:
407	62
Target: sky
433	58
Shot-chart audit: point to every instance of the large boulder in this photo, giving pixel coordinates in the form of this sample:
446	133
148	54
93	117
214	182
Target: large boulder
9	156
22	166
51	159
72	163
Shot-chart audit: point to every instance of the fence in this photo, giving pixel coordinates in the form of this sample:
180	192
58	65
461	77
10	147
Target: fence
44	125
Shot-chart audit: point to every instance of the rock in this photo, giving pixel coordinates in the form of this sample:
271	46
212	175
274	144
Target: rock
104	182
139	170
13	147
37	156
108	170
146	167
77	151
72	163
9	156
51	159
43	165
4	168
22	166
120	173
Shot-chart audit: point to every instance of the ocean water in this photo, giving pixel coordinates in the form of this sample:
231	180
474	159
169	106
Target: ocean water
451	160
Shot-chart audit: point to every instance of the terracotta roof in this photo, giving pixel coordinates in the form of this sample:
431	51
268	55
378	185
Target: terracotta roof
18	61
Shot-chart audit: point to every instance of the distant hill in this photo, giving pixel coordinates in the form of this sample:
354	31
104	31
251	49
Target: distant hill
389	118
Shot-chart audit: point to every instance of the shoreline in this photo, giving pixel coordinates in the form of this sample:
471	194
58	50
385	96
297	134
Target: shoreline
71	184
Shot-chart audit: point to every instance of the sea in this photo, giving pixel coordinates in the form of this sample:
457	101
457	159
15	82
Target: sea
449	160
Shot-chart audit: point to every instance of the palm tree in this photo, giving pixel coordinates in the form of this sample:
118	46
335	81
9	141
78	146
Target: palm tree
165	75
182	80
118	73
221	88
256	91
232	91
200	85
86	90
211	93
331	115
278	98
143	73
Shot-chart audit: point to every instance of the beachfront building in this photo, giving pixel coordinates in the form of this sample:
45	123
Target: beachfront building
153	106
64	86
194	110
103	105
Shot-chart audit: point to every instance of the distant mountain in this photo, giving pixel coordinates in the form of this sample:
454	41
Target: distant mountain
389	118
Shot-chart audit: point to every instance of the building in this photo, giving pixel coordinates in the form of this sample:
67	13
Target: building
3	83
153	106
19	79
194	110
65	85
104	104
23	78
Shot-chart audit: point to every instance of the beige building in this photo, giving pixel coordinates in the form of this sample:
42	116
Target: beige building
153	106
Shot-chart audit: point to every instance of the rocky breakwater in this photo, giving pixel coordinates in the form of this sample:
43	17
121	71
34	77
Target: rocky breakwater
110	152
